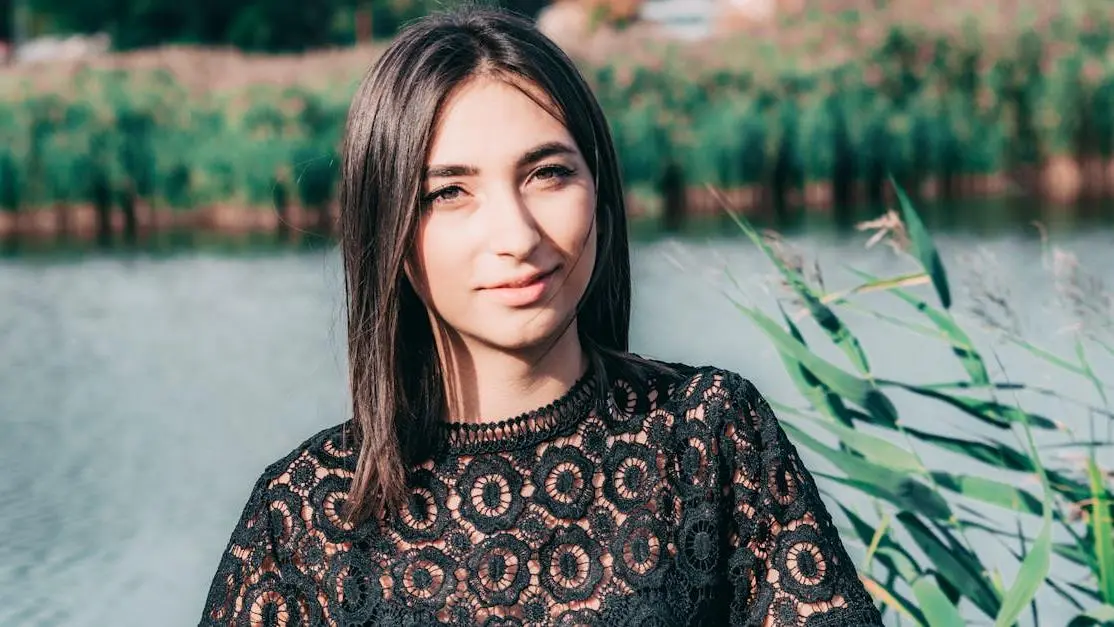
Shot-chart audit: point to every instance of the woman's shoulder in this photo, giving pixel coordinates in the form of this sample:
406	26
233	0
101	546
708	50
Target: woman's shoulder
684	380
330	451
685	389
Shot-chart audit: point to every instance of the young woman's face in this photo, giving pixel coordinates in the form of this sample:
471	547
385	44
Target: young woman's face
507	241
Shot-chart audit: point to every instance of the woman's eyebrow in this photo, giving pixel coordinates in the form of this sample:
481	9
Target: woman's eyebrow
530	157
547	149
448	171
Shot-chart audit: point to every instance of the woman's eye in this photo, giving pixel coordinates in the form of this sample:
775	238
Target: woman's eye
553	172
445	194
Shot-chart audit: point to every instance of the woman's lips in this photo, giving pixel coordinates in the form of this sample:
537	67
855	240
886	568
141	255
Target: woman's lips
524	292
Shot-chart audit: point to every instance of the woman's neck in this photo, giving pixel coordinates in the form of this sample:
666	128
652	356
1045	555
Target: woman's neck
486	384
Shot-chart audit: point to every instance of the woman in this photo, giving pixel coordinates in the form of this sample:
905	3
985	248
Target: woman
508	462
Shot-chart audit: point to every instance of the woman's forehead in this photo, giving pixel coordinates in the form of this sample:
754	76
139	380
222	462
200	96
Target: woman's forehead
490	118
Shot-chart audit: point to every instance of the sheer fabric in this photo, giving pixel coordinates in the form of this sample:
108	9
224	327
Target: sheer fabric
679	504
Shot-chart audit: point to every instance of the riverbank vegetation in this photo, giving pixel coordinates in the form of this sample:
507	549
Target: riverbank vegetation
811	114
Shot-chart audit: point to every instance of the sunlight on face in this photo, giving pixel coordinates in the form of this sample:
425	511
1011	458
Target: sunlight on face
507	240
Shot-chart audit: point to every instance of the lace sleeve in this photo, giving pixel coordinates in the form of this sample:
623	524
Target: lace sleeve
250	587
788	565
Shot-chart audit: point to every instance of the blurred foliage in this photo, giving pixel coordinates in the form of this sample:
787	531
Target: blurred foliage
266	25
6	26
134	131
278	25
905	100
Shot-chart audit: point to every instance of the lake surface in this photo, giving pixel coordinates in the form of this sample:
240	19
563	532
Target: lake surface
141	395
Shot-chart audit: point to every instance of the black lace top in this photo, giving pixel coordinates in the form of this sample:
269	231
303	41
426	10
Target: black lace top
680	504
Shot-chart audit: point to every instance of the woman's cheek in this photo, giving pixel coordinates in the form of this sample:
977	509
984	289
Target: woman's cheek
569	218
442	269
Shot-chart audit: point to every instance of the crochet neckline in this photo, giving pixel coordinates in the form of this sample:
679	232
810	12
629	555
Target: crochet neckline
526	429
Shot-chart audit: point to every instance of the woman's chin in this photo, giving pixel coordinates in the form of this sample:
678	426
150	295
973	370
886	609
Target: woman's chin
539	331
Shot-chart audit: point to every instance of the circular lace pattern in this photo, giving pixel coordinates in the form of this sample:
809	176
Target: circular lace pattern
623	405
803	566
227	584
602	521
490	493
534	607
563	482
424	578
272	603
328	499
425	515
699	543
694	463
302	475
782	482
639	551
742	571
631	475
311	553
284	511
354	586
570	564
594	439
532	526
338	448
500	570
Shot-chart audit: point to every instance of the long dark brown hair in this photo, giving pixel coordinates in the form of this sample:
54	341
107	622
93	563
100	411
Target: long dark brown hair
395	374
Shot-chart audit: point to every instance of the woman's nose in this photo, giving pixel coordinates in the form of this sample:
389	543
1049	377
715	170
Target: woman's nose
513	230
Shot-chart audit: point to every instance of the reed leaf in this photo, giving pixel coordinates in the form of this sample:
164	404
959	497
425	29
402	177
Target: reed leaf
902	489
890	597
824	316
954	563
990	412
1088	371
859	391
989	491
1101	531
1005	457
876	539
875	285
1101	615
961	343
888	553
1088	591
1077	553
923	247
1034	570
993	454
938	610
876	449
1047	356
821	397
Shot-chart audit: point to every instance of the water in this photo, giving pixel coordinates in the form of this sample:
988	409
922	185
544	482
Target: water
141	395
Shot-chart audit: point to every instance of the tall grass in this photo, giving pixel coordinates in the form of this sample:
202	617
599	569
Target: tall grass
844	93
920	563
145	132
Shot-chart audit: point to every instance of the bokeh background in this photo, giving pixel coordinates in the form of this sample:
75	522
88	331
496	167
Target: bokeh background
171	300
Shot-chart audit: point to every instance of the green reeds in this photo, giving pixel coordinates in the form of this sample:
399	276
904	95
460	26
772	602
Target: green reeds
920	561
